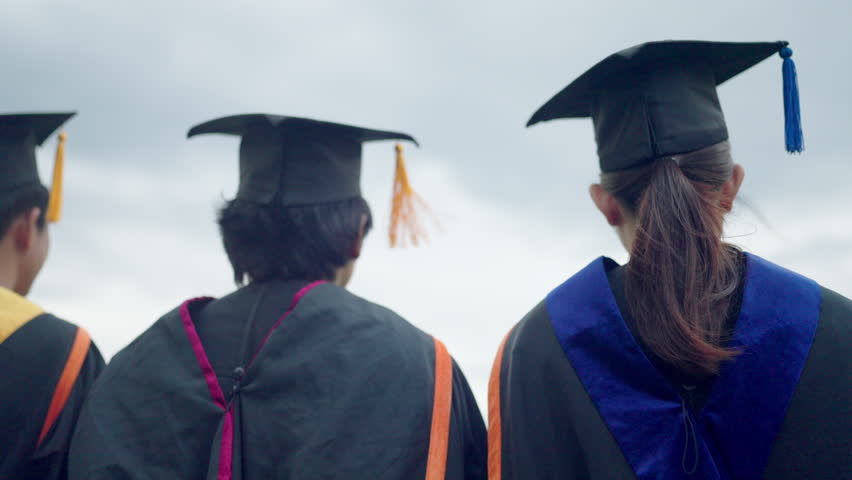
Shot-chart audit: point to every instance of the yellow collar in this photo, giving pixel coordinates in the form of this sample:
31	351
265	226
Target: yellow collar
15	312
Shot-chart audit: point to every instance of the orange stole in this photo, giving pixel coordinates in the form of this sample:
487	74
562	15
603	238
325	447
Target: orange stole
66	381
495	429
436	465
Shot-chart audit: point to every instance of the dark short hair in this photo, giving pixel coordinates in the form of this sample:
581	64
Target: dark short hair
22	200
266	242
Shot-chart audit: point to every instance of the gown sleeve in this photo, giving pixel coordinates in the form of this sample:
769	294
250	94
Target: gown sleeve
539	412
467	456
814	439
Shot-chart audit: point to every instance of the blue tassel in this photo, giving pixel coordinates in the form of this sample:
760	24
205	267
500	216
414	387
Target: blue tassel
792	115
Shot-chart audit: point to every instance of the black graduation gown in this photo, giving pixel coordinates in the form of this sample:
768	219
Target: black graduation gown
48	365
262	384
572	394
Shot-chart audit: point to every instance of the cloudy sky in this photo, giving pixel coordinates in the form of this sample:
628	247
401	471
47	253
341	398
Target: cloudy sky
138	234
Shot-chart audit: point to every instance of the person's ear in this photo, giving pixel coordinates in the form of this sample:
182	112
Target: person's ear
607	204
25	228
356	250
731	188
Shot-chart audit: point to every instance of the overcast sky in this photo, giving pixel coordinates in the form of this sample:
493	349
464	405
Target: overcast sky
138	234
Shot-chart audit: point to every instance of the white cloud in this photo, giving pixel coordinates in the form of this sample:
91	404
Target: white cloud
139	236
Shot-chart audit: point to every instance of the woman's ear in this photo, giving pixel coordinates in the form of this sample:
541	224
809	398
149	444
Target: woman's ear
732	187
607	204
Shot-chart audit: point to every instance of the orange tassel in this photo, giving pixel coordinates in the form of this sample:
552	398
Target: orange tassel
405	225
54	205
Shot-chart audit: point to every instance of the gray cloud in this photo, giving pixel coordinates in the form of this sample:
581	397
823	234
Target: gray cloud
461	76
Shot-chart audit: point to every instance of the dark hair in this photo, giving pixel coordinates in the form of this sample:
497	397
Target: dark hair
309	242
21	201
681	275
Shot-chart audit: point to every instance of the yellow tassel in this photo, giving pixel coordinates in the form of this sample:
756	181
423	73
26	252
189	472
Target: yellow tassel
54	206
405	225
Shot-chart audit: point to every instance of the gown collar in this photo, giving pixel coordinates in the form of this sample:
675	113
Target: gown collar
733	434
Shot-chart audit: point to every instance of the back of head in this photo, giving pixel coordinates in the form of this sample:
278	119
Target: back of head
21	192
664	153
21	201
681	275
21	189
298	212
275	241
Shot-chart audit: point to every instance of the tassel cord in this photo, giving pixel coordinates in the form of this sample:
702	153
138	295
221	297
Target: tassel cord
54	205
793	136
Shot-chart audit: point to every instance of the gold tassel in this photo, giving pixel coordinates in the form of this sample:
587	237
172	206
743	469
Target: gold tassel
407	205
54	206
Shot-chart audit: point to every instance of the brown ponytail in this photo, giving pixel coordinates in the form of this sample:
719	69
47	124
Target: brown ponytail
681	275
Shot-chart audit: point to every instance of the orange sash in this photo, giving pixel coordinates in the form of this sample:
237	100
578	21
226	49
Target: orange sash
66	381
495	429
436	465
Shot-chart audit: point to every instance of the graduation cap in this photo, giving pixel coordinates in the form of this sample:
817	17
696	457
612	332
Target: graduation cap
299	161
659	98
20	134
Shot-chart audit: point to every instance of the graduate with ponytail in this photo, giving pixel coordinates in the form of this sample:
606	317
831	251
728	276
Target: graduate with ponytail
695	359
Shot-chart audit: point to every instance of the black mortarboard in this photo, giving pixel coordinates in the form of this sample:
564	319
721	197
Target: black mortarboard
300	161
303	161
20	134
659	98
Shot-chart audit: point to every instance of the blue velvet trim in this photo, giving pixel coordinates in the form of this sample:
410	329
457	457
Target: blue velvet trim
748	402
